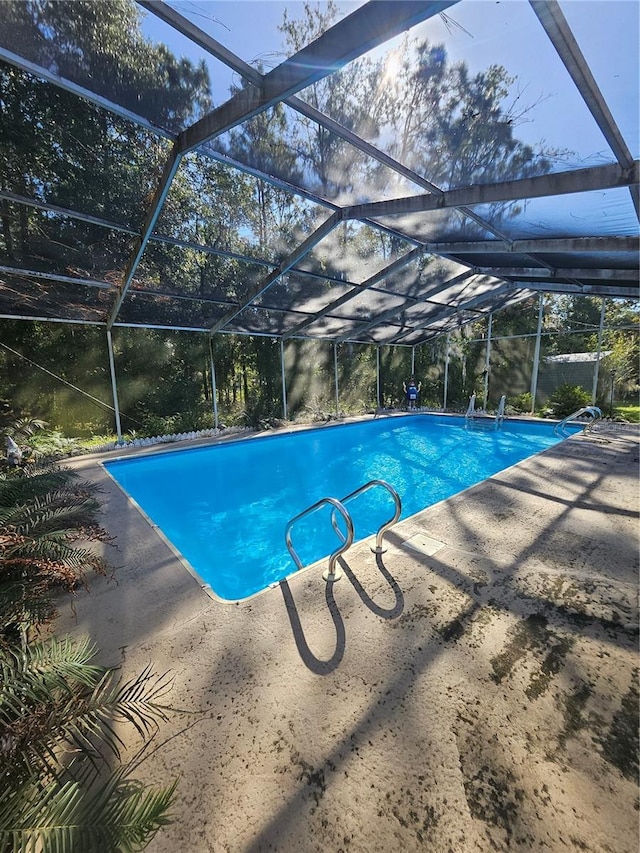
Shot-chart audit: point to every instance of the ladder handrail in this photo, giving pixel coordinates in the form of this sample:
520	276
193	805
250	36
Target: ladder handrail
594	411
346	540
385	525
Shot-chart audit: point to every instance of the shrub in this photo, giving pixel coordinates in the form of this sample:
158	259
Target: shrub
522	403
567	399
60	713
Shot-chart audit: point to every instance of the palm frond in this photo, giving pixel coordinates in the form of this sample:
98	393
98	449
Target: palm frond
20	487
60	713
49	556
26	427
24	605
45	665
53	511
119	816
52	701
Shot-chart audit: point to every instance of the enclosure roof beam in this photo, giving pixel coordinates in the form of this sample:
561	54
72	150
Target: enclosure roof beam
62	279
116	109
204	40
160	238
289	262
536	246
399	263
65	211
162	190
75	89
358	33
619	290
556	27
409	303
35	318
252	259
183	25
469	305
559	274
278	182
560	183
517	296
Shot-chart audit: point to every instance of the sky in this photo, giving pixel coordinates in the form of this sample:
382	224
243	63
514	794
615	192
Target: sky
481	32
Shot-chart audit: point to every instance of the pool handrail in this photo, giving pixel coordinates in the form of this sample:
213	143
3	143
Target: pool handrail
383	527
593	411
331	574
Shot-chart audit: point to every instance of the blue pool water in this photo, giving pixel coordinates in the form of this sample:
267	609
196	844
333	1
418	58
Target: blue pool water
225	507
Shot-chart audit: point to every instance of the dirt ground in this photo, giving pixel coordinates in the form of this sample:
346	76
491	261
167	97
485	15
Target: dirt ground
475	688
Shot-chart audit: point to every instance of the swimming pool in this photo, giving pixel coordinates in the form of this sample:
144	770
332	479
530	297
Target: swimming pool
225	507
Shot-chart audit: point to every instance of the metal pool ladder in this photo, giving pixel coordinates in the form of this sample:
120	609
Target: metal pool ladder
593	412
333	574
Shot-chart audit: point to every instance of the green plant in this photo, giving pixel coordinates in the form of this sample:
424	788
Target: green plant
522	403
567	399
629	413
59	717
60	714
42	517
52	444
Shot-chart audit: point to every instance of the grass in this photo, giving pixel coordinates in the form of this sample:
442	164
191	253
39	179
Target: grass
629	413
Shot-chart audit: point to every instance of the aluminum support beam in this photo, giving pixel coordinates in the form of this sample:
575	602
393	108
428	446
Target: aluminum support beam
409	303
170	169
284	381
41	319
487	365
556	27
335	377
536	246
353	36
183	25
114	387
453	309
596	369
446	372
62	279
75	89
141	121
560	273
358	289
378	377
450	310
536	355
313	239
614	291
214	389
65	211
518	297
560	183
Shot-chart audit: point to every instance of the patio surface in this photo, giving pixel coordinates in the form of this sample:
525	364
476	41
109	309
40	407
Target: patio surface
475	688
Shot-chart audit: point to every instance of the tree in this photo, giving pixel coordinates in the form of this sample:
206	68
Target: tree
101	46
334	168
261	143
622	340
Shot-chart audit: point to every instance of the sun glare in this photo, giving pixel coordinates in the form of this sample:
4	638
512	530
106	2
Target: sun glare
392	67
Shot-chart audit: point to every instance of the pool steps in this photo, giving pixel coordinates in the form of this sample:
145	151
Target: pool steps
332	573
477	416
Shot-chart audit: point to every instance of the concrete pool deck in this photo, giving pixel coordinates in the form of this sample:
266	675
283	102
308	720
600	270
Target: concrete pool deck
475	688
